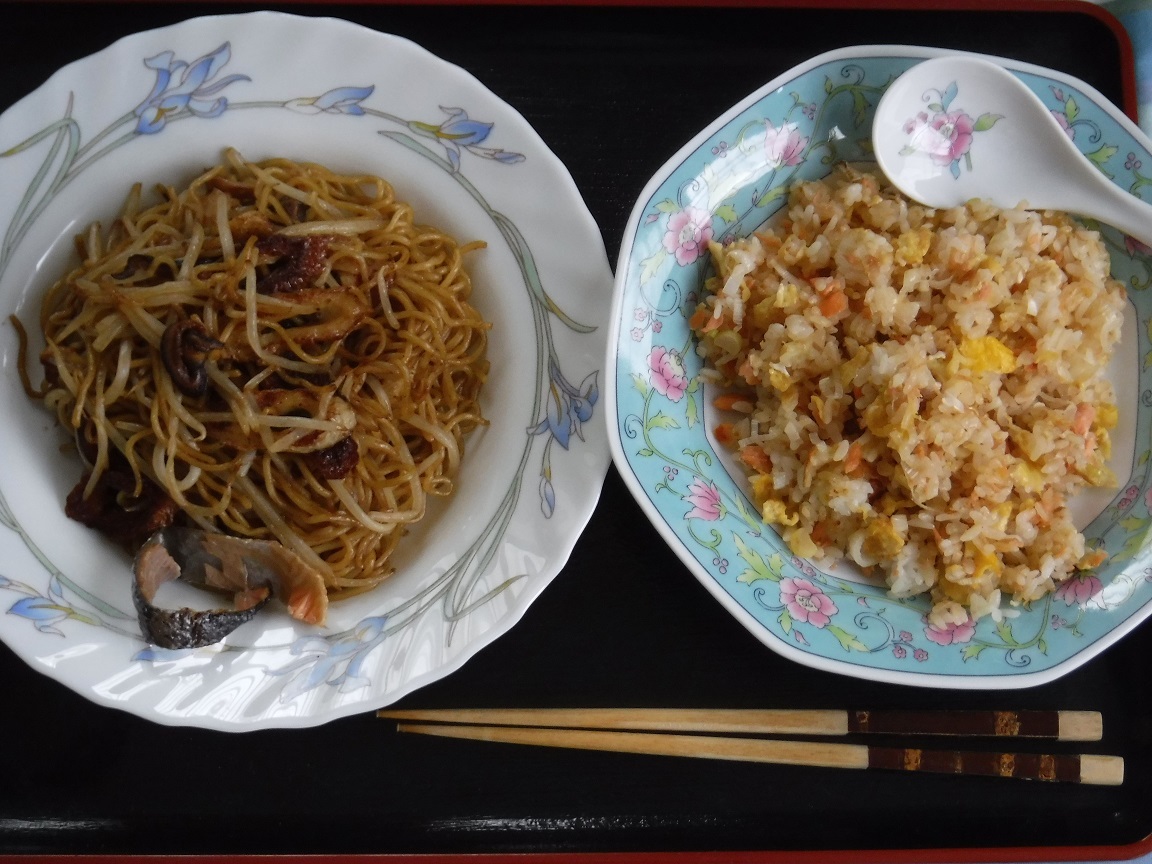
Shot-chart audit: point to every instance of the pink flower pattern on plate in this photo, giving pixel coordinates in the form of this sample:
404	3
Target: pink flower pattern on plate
688	235
1062	119
668	376
806	602
1080	589
951	634
705	500
784	145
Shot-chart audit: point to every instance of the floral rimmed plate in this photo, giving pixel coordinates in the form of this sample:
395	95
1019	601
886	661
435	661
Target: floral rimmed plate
158	107
724	183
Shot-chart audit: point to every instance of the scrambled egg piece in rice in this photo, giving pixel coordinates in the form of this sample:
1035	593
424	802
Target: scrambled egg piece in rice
929	388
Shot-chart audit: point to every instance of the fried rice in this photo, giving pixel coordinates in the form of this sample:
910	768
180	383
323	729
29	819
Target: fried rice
929	387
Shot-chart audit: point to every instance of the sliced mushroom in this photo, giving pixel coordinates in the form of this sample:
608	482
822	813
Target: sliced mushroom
185	347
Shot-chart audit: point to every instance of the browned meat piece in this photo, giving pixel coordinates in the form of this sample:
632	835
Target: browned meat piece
185	347
297	261
335	462
111	510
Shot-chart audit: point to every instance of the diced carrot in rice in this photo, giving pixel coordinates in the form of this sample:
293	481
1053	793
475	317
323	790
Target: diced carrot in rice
726	434
733	402
1085	414
912	373
755	458
833	304
854	459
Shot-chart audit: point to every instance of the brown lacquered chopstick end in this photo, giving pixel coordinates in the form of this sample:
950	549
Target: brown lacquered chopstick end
1061	725
1071	768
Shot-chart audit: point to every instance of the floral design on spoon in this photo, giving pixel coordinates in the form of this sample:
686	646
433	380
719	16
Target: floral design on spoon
946	134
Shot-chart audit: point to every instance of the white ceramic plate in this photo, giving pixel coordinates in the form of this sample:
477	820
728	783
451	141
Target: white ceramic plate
724	183
160	106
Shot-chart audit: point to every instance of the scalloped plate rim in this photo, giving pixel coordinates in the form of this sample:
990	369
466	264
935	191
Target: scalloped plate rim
588	466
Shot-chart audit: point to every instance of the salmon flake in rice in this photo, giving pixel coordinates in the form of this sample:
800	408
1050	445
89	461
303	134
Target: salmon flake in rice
927	386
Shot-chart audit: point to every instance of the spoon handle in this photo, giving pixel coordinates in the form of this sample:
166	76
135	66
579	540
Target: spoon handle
1027	156
1122	210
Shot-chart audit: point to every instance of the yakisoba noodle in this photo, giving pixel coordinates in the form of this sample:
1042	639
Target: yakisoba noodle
283	350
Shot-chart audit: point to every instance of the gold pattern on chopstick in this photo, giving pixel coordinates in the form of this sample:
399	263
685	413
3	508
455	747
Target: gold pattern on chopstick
1007	723
1007	765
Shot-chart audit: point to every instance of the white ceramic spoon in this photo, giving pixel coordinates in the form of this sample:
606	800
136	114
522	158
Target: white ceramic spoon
958	127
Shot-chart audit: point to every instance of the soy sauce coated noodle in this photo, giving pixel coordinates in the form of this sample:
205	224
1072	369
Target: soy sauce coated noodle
338	358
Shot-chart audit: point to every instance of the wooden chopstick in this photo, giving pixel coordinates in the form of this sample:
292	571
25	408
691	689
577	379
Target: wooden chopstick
1074	768
1056	725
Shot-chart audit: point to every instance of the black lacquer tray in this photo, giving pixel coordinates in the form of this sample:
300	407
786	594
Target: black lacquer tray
625	623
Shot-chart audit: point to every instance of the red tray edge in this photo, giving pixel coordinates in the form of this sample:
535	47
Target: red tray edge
878	856
1000	855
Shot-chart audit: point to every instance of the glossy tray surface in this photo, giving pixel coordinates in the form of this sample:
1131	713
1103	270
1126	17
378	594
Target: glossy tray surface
613	92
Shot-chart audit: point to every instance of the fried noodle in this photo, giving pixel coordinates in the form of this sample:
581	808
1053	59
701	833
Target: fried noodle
282	350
